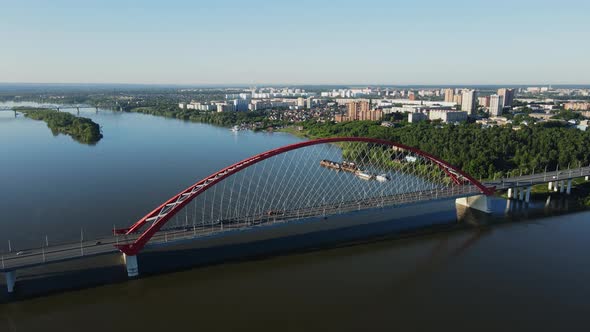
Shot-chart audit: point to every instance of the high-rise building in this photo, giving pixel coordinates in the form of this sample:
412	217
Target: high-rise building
457	99
240	105
309	102
484	101
468	102
300	102
496	105
508	95
225	107
449	95
354	108
360	111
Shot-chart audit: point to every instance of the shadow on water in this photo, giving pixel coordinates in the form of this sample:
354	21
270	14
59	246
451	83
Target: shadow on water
107	269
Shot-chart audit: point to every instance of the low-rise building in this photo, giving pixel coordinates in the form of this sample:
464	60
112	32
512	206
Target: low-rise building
417	117
577	106
447	116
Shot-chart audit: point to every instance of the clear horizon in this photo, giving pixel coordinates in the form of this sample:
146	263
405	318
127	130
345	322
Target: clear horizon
262	42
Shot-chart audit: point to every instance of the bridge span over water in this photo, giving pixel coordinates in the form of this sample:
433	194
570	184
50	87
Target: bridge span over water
59	108
300	188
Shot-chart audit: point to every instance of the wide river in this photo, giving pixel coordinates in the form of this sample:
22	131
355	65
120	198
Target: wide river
528	270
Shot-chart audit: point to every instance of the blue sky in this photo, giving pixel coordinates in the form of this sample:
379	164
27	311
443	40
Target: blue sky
295	42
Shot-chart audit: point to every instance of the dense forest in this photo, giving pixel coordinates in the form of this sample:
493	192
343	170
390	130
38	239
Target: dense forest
482	152
82	130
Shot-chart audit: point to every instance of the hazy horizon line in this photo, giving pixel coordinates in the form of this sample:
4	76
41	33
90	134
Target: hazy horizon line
293	84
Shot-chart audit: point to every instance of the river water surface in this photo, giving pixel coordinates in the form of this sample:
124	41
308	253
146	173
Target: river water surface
524	271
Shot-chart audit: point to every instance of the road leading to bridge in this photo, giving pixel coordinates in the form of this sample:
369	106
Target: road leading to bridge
540	178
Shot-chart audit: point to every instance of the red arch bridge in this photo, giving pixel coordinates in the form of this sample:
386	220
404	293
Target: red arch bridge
310	180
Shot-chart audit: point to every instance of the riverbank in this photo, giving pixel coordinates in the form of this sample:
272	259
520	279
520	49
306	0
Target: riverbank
255	121
83	130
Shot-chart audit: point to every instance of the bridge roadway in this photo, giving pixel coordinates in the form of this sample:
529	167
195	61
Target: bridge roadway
65	252
54	107
25	258
539	178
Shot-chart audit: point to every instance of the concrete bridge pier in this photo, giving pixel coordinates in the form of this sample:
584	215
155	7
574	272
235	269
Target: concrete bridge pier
587	178
568	190
509	193
550	186
10	280
479	202
515	193
521	194
562	186
527	197
132	266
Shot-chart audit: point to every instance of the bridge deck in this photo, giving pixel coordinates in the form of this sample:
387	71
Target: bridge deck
101	246
65	252
540	178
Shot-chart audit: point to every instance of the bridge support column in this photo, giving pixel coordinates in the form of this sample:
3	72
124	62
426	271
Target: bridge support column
132	266
10	280
587	178
527	197
479	202
569	187
521	194
562	186
515	193
556	186
550	186
509	193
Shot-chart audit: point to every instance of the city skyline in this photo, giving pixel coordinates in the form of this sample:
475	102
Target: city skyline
261	42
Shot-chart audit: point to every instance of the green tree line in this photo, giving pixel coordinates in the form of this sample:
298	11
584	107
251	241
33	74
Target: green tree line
485	153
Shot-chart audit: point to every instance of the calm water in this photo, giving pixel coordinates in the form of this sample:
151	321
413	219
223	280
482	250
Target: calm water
513	277
56	187
530	273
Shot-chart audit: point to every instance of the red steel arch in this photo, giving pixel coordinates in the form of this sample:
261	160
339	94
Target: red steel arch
163	213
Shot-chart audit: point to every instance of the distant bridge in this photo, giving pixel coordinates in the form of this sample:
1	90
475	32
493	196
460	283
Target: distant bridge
311	179
59	108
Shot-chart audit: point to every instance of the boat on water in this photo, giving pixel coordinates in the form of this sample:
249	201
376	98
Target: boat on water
235	129
365	176
349	167
330	164
383	178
